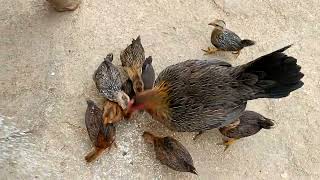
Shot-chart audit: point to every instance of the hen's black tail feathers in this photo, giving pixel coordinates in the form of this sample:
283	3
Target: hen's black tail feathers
274	75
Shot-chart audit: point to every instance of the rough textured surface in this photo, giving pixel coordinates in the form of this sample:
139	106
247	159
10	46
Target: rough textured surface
47	60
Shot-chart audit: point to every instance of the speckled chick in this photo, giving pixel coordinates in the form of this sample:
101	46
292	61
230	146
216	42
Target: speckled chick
171	153
108	82
197	95
225	40
65	5
112	112
148	78
101	136
248	124
132	59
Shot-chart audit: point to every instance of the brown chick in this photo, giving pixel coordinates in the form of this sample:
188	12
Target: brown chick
65	5
225	40
112	112
171	153
198	95
148	78
101	136
248	124
132	59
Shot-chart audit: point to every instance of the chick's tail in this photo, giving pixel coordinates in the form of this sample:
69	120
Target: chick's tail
93	154
247	42
274	75
266	123
192	169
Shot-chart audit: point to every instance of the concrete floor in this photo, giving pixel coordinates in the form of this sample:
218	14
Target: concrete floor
47	60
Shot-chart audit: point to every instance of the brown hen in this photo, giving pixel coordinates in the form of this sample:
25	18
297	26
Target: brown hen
198	95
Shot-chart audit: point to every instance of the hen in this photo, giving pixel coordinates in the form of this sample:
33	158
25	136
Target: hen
198	95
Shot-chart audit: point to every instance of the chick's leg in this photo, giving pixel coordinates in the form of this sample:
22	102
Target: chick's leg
197	135
227	142
210	50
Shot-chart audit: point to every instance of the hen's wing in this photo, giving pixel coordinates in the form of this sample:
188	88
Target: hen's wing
202	94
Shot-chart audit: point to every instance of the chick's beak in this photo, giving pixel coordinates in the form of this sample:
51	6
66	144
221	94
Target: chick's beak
130	105
211	24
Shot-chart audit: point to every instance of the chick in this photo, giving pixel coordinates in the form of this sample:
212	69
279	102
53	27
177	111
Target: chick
198	95
101	136
132	59
248	124
108	82
65	5
171	153
148	74
148	77
225	40
112	112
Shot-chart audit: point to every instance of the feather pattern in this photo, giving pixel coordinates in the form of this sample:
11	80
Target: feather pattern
173	154
133	55
226	40
196	101
250	124
108	79
206	94
93	120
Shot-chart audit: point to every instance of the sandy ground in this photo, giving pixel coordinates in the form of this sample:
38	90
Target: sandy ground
47	60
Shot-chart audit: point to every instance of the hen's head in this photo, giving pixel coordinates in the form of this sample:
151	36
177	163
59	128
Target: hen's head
154	100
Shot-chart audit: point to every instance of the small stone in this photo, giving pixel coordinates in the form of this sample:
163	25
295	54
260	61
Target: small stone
124	153
284	175
52	74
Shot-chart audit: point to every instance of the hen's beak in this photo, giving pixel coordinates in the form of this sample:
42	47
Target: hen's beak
211	24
